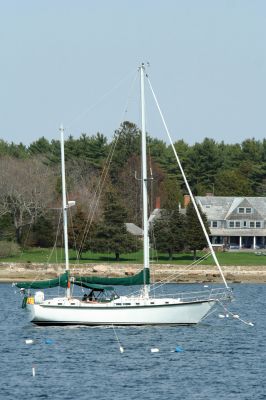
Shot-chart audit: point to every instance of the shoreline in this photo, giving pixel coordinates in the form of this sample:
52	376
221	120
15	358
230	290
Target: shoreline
19	272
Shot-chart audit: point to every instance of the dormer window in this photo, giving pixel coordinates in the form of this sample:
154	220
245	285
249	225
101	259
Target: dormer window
244	210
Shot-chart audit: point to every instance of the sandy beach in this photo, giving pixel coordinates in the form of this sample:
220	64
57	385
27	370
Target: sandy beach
15	272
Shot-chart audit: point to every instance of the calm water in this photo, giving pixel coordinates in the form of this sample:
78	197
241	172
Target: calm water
222	358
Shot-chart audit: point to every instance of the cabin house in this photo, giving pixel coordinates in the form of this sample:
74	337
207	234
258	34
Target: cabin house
235	222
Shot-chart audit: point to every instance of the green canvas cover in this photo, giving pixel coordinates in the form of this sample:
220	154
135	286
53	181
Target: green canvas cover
60	281
88	281
137	279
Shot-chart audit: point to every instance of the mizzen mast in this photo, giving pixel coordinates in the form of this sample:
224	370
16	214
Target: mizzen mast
64	205
144	181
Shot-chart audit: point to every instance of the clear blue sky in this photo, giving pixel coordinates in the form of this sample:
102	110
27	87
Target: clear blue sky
59	58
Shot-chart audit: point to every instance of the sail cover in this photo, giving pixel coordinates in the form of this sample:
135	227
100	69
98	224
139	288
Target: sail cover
60	281
138	279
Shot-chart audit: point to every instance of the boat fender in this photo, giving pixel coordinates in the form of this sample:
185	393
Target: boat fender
39	297
24	302
49	341
155	350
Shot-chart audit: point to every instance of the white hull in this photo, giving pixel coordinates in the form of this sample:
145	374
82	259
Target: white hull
76	312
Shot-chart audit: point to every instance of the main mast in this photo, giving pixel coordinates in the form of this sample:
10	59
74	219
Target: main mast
64	205
144	181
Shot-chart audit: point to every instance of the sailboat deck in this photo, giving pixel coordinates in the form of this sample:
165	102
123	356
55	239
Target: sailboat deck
219	294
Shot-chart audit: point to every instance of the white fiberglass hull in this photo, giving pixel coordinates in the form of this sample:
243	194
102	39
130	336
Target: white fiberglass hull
77	313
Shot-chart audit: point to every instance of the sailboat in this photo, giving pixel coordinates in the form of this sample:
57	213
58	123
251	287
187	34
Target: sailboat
103	306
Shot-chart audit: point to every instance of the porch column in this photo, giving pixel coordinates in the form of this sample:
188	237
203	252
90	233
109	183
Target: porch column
240	242
254	242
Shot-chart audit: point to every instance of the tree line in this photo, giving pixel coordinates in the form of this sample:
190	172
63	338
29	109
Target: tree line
30	182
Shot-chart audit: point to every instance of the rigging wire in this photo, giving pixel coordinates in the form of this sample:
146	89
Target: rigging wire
73	232
173	276
104	174
99	101
56	237
235	316
38	276
121	348
188	187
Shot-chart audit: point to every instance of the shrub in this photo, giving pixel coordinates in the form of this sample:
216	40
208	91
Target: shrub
8	249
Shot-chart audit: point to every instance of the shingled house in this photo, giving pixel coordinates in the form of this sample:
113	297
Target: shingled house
236	222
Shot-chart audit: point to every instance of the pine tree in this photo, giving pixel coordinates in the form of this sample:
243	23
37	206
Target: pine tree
111	233
168	231
195	238
43	232
77	237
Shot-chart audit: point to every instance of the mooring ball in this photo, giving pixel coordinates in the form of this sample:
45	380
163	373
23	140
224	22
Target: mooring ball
155	350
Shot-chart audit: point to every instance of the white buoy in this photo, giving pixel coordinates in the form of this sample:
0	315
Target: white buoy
121	349
221	316
236	316
155	350
206	286
29	341
251	324
33	370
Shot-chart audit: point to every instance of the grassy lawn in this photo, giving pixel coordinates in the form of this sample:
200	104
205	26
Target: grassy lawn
38	255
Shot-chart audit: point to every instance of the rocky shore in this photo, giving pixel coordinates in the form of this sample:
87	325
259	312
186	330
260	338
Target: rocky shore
15	272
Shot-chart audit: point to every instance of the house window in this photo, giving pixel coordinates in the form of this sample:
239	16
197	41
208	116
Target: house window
258	224
237	224
231	224
244	224
252	224
244	210
214	224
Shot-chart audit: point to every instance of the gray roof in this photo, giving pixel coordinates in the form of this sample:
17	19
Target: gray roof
156	213
223	208
134	229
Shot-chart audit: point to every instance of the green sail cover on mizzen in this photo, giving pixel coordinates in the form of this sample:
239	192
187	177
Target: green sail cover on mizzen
137	279
60	281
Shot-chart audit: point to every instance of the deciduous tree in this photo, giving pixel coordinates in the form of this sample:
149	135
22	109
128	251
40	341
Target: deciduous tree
26	189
